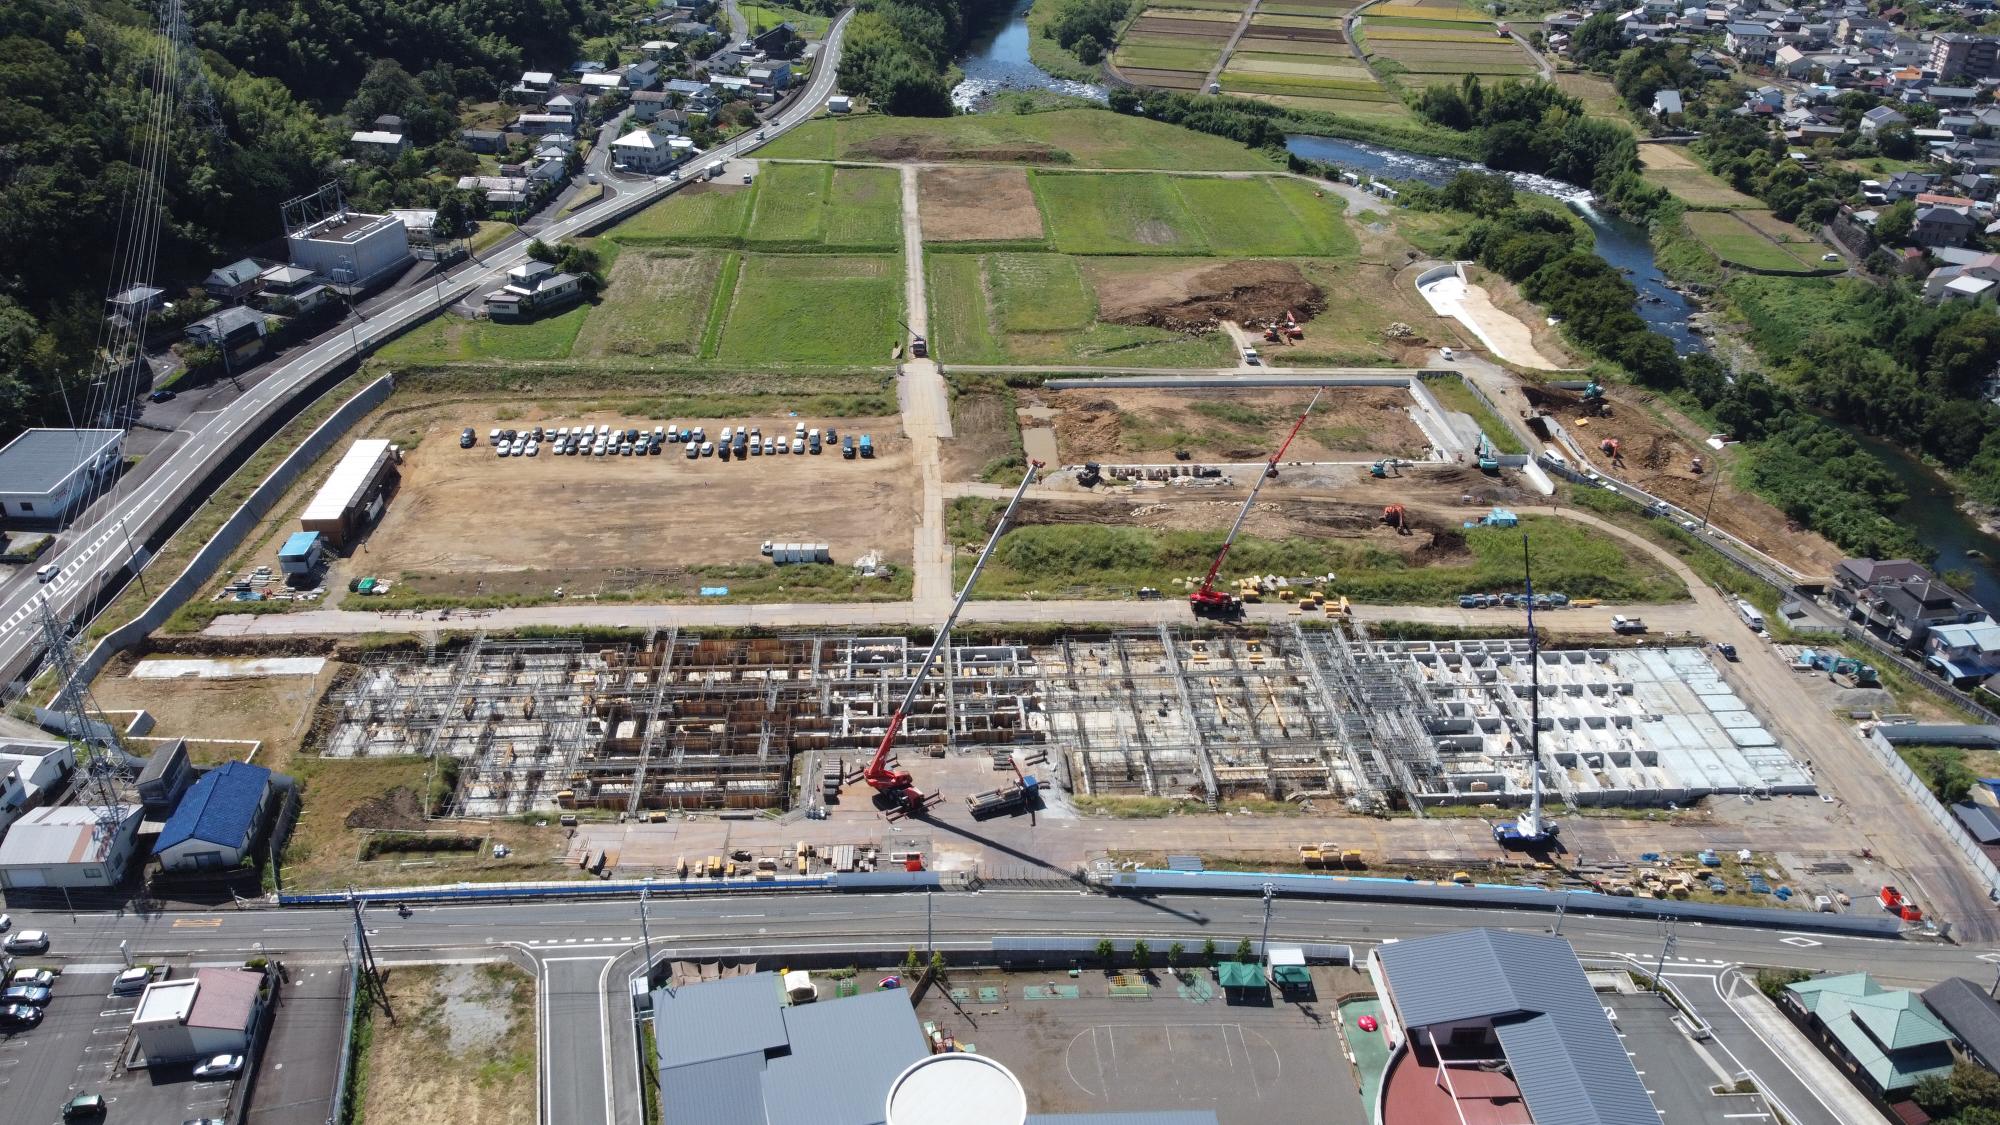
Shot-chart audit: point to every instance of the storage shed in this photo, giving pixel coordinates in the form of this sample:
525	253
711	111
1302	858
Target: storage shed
167	775
302	553
351	498
210	1013
61	847
44	474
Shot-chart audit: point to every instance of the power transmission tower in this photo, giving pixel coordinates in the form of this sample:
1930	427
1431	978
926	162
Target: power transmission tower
107	772
200	99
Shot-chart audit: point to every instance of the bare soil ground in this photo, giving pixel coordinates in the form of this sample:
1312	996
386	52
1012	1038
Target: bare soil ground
977	205
1198	298
466	522
923	149
273	710
1658	456
1350	423
1280	518
982	431
460	1051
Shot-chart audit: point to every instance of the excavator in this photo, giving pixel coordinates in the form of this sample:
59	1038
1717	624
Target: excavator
881	772
1206	600
1398	517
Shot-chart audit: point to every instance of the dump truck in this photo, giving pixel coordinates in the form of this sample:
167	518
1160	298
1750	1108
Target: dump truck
1628	625
1009	798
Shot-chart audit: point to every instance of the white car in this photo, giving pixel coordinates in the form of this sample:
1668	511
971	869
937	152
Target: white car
221	1066
799	446
28	941
534	448
767	446
1445	353
130	981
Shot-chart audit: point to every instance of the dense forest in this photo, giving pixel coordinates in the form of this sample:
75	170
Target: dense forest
74	101
898	53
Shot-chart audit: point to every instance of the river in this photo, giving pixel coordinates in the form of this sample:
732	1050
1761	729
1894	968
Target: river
997	61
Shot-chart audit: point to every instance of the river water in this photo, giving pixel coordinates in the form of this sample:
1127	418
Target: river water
997	61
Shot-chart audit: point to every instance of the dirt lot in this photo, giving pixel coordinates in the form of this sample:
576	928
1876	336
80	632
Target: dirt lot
1180	1046
461	1049
605	524
1196	298
982	432
274	710
1658	458
1275	519
977	205
1350	423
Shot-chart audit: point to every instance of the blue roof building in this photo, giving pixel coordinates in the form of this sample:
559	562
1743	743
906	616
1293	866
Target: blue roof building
217	820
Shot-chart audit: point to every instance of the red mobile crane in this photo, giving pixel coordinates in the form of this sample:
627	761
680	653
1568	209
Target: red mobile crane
1206	600
880	773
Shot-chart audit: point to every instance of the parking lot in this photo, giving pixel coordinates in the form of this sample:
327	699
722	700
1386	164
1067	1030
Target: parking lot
1677	1071
79	1047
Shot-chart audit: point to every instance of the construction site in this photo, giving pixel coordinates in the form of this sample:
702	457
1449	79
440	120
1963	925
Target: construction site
681	722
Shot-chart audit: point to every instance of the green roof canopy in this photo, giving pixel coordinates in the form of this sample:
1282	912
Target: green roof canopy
1240	974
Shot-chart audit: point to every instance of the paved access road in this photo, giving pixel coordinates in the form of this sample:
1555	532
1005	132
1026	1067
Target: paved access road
91	557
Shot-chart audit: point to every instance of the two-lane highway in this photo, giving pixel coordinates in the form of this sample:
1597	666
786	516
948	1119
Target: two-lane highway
91	558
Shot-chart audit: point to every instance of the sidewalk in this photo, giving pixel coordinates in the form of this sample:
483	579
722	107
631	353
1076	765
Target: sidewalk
1802	1057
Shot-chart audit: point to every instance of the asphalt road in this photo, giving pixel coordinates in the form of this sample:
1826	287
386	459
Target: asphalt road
92	557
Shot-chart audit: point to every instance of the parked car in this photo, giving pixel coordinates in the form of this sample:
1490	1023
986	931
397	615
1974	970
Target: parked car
84	1107
221	1066
693	451
467	439
708	449
25	994
131	980
28	941
162	395
45	978
847	447
799	446
1446	354
771	448
47	572
20	1015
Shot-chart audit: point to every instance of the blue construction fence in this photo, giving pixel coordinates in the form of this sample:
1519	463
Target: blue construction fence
620	888
1496	896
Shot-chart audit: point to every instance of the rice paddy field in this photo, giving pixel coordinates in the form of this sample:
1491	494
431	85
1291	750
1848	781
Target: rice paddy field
1677	170
1305	62
1174	48
1146	213
1431	41
1755	240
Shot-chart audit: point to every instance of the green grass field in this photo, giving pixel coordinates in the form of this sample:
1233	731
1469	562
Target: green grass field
961	317
1152	57
763	17
791	204
1085	138
865	209
1039	293
1041	308
450	338
1130	214
1081	560
814	309
1738	243
702	215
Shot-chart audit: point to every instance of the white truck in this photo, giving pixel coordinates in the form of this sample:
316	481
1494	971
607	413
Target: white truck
716	169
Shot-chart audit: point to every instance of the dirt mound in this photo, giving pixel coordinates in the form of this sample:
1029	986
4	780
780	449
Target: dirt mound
924	148
1446	546
1198	299
398	808
1551	398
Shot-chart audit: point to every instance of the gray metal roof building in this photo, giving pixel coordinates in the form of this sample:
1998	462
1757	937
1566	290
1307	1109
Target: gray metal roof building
44	472
733	1052
1565	1055
1971	1015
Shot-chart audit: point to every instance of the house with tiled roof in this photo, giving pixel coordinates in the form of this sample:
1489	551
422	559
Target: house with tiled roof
1886	1038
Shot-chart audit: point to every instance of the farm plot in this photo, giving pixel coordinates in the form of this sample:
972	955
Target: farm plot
1673	168
709	214
1318	9
1433	60
977	205
1158	214
1772	227
1132	214
1167	49
813	309
807	206
1086	138
1737	242
655	303
1039	308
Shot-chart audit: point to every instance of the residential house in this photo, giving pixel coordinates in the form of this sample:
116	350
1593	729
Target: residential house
650	151
136	303
1905	50
30	771
1710	64
238	333
1791	62
1907	185
218	820
1957	124
1901	599
1978	280
294	289
647	105
774	75
642	75
535	124
1964	654
1667	107
1751	42
500	192
731	84
1971	1014
1886	1038
566	105
490	142
535	81
689	29
1950	97
658	48
532	288
1880	118
780	42
1939	225
603	85
234	281
1851	29
548	172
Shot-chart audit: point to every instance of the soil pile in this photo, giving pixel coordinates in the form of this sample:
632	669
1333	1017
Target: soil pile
398	808
1199	299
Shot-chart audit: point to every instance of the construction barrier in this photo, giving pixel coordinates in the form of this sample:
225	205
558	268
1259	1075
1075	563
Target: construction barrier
619	888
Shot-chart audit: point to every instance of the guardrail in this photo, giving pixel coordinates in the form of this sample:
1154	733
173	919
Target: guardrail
1491	896
336	1113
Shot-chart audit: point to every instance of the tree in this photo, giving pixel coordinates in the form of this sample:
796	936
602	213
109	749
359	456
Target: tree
1895	221
1597	39
1772	982
1105	950
1208	950
1174	954
1142	955
1244	952
912	963
937	963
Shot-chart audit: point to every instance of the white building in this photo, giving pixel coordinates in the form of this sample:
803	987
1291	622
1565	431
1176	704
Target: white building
29	772
644	150
533	287
63	847
210	1013
379	144
46	473
352	248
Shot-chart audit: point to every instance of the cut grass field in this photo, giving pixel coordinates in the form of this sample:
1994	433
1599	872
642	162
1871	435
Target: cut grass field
763	17
1085	138
1100	561
1166	58
460	1050
1738	243
1675	169
655	303
1349	104
1042	308
1599	96
800	207
1147	213
699	214
816	309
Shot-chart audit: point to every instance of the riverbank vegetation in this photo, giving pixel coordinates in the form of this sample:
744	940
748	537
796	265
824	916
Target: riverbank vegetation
898	53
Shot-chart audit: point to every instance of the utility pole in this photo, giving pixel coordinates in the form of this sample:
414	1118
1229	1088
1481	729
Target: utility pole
138	564
367	952
1562	908
1666	947
1713	487
645	933
930	947
1264	947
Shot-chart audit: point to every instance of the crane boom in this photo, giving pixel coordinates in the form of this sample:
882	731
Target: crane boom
1205	596
898	783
